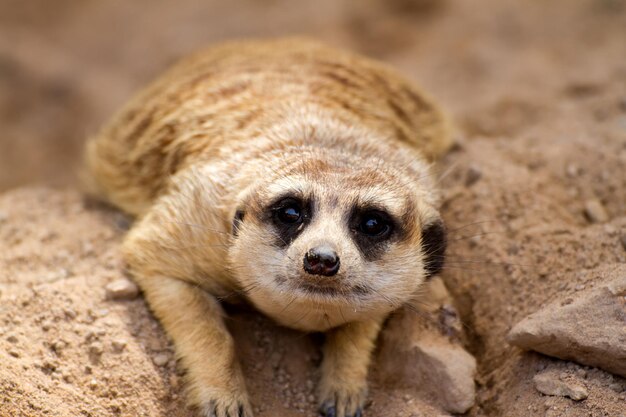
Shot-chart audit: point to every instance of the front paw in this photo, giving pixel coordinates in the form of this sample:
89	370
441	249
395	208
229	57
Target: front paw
342	401
226	405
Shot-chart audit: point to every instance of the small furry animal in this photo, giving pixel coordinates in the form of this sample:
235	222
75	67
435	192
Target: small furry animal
289	174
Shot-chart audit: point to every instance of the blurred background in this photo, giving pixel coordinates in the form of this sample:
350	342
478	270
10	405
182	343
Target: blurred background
67	65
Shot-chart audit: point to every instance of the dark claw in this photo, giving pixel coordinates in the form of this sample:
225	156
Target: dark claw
328	411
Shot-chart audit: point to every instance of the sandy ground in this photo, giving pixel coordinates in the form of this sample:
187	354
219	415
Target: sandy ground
538	93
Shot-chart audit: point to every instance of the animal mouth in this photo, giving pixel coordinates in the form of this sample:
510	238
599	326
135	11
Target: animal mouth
322	289
334	290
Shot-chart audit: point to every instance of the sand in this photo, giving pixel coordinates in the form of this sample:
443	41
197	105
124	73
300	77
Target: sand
534	193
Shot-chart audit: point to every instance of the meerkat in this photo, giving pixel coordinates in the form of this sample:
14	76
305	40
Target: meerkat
288	174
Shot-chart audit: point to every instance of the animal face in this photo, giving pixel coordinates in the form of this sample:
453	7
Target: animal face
327	232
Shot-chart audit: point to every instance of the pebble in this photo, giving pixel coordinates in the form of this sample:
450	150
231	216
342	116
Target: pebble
58	345
118	345
595	211
161	359
121	289
549	384
14	353
473	175
12	339
96	349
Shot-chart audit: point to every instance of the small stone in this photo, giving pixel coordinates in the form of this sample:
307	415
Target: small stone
93	384
12	339
473	175
70	314
58	345
14	353
622	239
96	349
118	345
595	211
161	359
550	384
121	289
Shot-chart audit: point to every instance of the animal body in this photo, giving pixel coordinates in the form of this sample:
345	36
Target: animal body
288	174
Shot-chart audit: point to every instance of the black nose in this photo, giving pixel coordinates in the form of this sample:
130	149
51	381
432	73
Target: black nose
321	260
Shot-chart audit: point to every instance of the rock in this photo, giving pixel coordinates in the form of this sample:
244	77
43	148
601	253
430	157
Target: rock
549	384
622	239
595	212
590	330
161	359
121	289
415	354
96	349
118	345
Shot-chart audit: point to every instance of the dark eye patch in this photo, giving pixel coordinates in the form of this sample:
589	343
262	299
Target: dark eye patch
372	229
289	216
434	244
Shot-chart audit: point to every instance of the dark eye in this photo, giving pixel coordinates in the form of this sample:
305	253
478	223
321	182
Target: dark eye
374	224
288	212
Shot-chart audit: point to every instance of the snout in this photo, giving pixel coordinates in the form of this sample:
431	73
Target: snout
321	260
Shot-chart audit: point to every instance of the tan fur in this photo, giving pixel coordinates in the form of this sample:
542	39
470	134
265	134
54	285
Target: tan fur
233	127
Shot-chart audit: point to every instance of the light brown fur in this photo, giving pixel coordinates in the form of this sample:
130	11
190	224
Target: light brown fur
230	129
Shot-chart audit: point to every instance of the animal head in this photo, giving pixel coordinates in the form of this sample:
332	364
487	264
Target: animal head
327	228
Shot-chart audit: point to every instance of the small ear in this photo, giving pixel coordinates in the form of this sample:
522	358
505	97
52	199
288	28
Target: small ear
434	244
237	219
